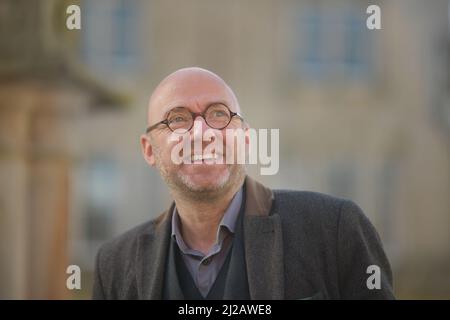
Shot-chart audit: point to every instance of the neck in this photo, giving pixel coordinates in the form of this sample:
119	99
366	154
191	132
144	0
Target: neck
200	219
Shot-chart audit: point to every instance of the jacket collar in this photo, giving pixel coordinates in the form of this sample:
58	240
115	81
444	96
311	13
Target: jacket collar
262	242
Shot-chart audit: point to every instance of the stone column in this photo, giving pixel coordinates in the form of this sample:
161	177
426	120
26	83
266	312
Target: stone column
36	136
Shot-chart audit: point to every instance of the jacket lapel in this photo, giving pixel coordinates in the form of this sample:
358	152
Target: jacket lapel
172	289
151	258
263	243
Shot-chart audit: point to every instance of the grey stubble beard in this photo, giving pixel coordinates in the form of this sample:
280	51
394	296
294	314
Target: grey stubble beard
182	185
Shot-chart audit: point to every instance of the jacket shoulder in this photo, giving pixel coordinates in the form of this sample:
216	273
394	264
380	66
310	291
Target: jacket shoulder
114	276
333	242
309	202
125	242
307	196
323	213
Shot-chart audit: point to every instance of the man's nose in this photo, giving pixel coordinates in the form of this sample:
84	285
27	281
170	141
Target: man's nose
199	127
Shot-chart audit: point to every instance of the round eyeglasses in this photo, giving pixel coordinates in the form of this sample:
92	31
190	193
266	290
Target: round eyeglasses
180	119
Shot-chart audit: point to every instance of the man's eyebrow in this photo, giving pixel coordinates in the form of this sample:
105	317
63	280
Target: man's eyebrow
172	108
225	103
209	104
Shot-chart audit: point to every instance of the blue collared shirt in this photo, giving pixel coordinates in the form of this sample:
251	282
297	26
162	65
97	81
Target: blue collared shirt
205	268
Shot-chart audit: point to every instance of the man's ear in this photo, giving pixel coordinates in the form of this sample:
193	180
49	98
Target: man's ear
147	150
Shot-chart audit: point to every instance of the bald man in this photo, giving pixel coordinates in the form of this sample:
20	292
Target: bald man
226	236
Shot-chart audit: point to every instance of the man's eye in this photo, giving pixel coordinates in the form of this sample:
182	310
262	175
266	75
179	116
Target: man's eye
178	119
219	114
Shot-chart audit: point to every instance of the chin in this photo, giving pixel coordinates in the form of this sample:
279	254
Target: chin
204	177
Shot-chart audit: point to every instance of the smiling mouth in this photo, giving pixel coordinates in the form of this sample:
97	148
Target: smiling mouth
198	158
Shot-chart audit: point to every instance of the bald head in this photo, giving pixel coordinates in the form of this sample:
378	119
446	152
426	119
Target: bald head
193	88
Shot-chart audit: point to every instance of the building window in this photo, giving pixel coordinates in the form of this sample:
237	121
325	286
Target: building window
101	192
331	43
388	183
109	34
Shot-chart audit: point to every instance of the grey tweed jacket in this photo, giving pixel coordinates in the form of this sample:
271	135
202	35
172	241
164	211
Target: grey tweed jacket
298	245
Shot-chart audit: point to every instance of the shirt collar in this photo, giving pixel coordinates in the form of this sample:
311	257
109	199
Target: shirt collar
228	220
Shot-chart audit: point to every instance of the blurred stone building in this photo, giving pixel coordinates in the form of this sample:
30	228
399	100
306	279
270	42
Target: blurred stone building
363	114
43	101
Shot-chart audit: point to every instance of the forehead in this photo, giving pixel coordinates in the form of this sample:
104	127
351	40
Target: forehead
195	93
